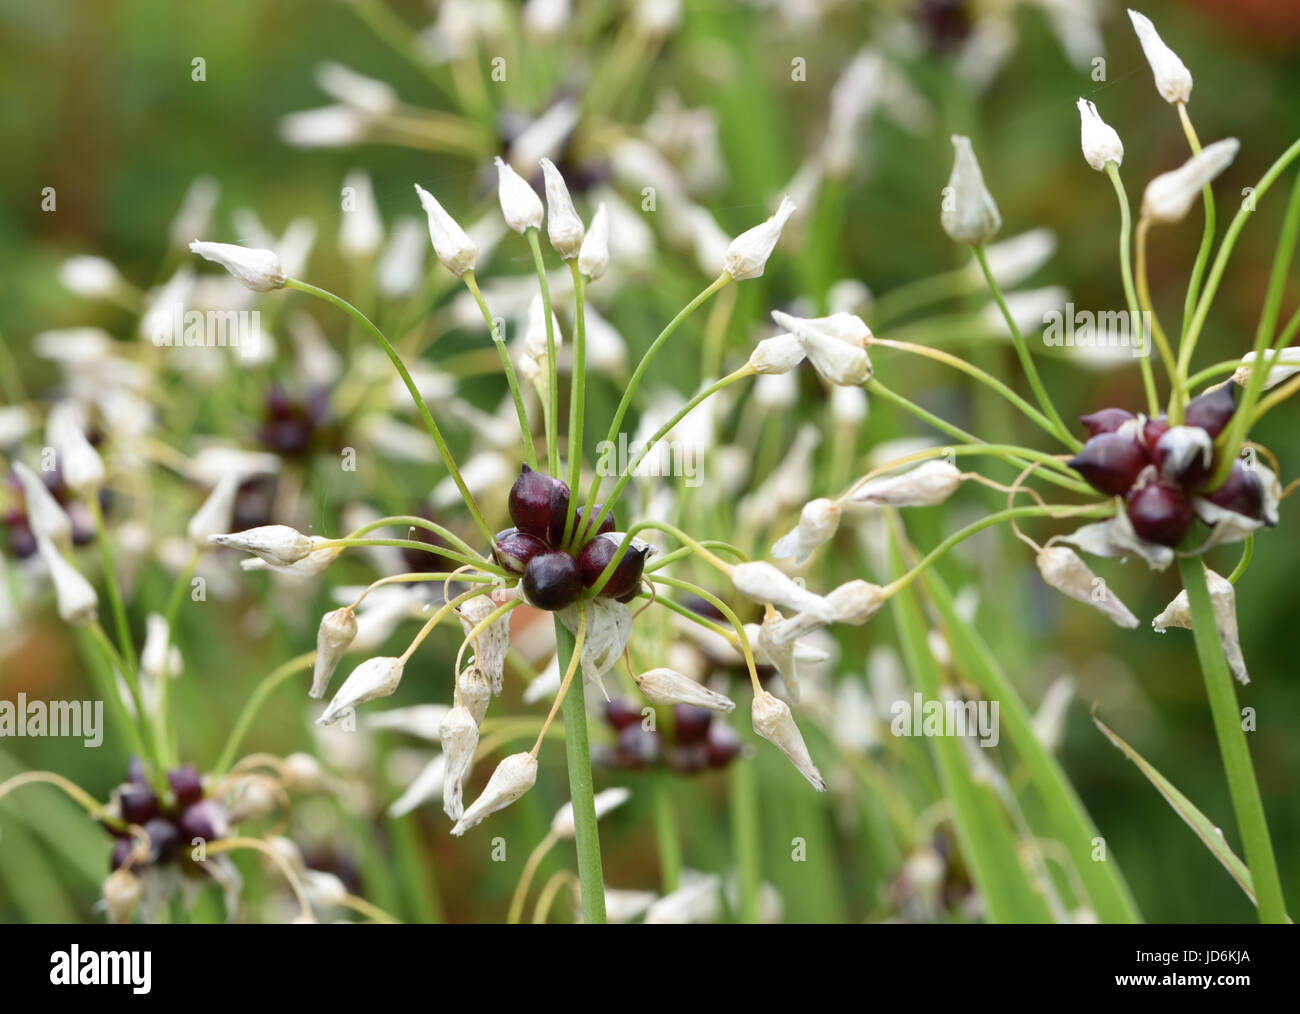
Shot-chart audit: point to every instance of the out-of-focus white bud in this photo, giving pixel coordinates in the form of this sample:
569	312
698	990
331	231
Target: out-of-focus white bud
254	798
513	777
776	392
1049	720
121	891
708	239
606	800
969	213
657	18
562	222
1101	144
697	900
426	785
855	602
623	906
763	583
278	545
1173	79
1223	599
375	677
364	94
453	246
593	257
929	483
1169	196
45	517
1286	365
79	463
772	720
362	232
76	598
546	17
520	204
402	265
667	687
1013	260
91	277
214	515
336	632
159	658
748	253
779	354
817	523
327	127
606	348
853	98
303	773
835	345
1063	570
459	737
258	269
848	405
423	720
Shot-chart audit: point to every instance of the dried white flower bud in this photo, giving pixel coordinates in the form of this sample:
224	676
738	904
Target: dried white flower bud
562	222
778	354
1169	196
91	277
513	777
835	345
622	907
475	692
1101	144
1223	599
45	517
593	258
609	627
606	800
748	253
817	523
929	483
1173	79
362	232
772	720
278	545
1063	570
459	736
764	583
336	632
667	687
520	204
375	677
75	596
1286	365
969	213
258	269
855	602
453	246
214	516
493	644
121	891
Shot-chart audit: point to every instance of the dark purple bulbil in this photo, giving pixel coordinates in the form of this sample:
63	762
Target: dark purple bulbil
1160	513
1111	462
1106	420
696	740
626	579
171	824
552	581
1242	492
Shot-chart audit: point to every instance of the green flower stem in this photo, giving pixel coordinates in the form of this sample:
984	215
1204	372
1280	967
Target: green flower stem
1207	235
630	391
1237	766
745	835
875	387
525	430
552	403
666	833
1210	373
429	424
415	521
1026	361
974	528
659	562
1247	551
106	686
1188	345
116	604
423	547
1157	331
658	526
577	395
1130	293
921	293
682	413
974	372
1236	432
581	790
256	699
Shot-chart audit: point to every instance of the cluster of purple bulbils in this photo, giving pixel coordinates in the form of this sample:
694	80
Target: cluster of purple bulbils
554	575
1160	469
170	824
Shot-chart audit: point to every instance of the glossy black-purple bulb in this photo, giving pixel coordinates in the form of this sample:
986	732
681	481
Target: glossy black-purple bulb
1160	513
552	581
1110	462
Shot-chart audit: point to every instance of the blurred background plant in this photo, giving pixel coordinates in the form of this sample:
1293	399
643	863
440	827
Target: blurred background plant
100	104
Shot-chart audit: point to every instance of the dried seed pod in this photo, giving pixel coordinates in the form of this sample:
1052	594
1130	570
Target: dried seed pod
1110	462
459	738
552	581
